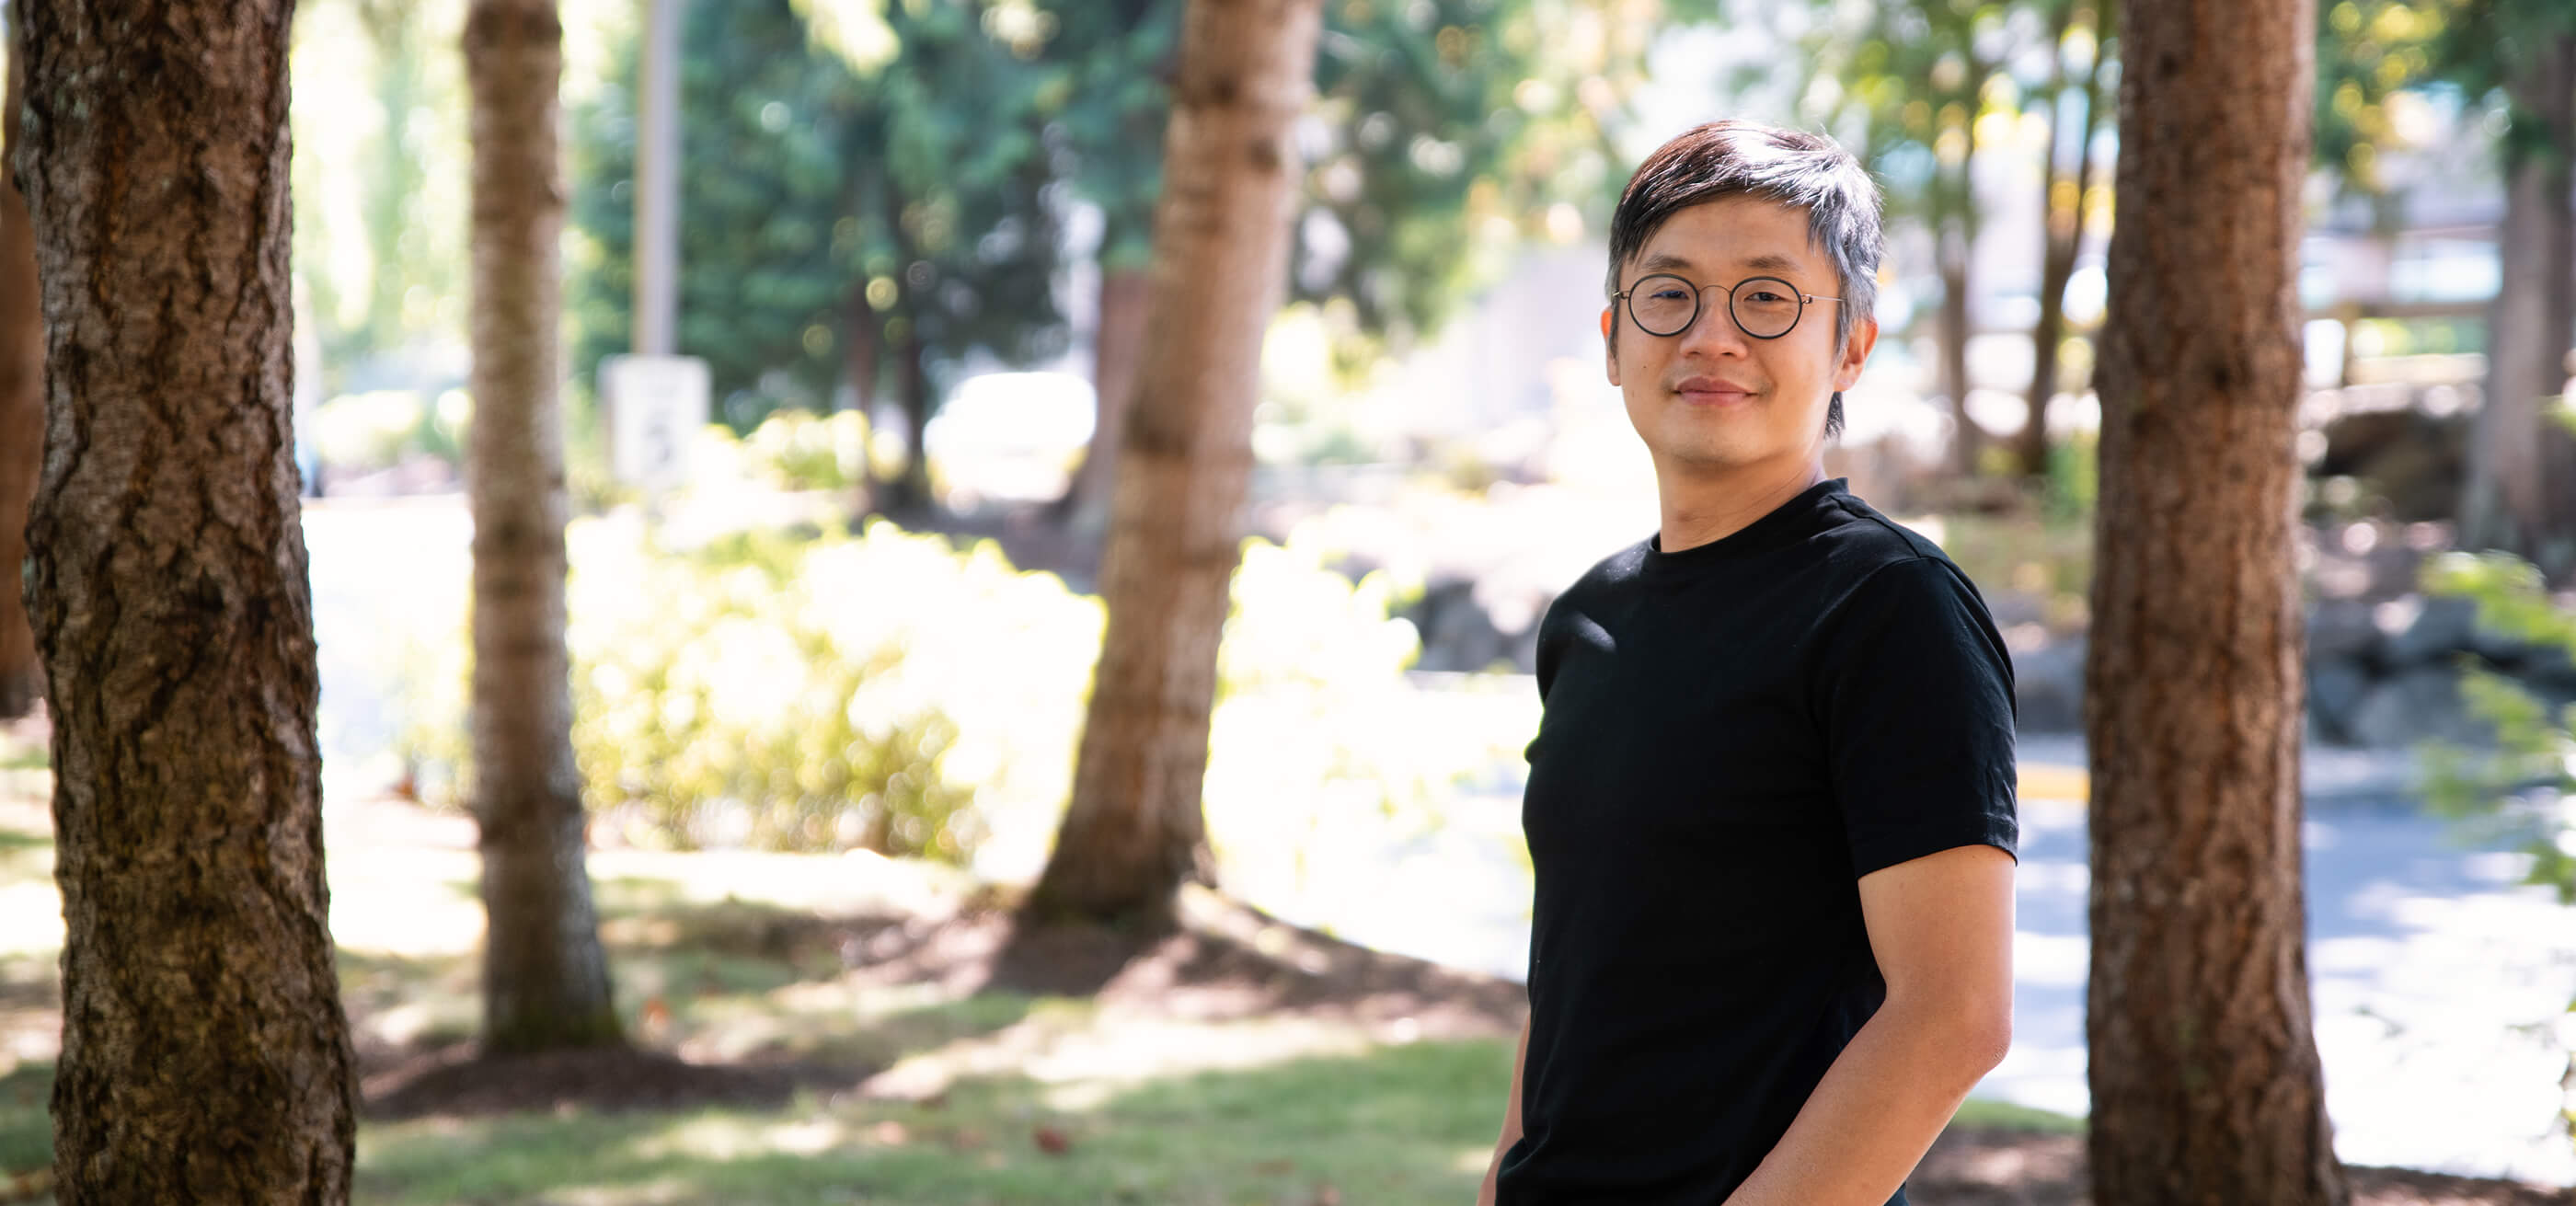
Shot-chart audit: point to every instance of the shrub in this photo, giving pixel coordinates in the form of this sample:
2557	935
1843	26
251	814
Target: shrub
843	691
2524	790
890	691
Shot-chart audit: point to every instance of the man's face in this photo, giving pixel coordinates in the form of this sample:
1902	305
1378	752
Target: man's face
1713	397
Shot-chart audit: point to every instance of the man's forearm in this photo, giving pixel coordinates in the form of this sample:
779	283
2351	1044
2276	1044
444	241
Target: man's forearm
1876	1111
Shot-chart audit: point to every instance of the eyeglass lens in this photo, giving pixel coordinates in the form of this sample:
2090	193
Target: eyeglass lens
1765	307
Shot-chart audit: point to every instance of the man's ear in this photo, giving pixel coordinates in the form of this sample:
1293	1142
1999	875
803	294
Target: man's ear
1855	353
1610	345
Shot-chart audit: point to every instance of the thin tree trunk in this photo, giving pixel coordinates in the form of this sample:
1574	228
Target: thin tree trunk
1115	351
2062	238
1952	250
2205	1080
909	492
205	1057
545	980
22	410
2505	502
859	364
1134	831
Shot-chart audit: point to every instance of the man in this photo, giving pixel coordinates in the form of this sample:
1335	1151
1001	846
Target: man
1771	800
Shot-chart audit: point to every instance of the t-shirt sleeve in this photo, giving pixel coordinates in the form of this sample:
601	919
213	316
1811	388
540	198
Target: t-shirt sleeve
1915	694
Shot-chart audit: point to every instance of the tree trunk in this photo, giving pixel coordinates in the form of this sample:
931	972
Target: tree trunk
205	1057
909	492
545	980
859	364
2505	501
1952	251
1134	830
22	410
2205	1079
1115	350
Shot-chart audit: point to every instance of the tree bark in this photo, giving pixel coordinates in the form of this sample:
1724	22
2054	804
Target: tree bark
205	1057
2505	502
1115	350
545	980
2205	1080
22	409
1134	831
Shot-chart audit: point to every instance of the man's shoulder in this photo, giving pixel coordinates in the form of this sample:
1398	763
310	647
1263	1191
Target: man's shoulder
1862	540
1611	574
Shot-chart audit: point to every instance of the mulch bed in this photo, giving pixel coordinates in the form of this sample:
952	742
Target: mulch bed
456	1082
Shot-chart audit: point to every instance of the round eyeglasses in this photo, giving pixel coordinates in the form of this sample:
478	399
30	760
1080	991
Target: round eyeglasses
1764	307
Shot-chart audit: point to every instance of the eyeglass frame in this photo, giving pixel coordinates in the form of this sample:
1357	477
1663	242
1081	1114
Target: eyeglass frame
1699	294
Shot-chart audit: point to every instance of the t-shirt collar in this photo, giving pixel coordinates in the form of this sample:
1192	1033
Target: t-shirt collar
1786	523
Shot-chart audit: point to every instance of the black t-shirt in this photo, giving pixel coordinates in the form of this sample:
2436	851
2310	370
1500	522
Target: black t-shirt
1732	736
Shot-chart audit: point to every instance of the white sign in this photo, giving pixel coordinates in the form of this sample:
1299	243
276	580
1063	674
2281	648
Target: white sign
656	404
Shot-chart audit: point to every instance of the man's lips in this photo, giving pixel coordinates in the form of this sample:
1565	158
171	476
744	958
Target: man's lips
1711	391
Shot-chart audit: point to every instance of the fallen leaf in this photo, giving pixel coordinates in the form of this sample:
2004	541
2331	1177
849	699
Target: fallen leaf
1052	1141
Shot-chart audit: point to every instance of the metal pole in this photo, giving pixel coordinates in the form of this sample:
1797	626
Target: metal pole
657	182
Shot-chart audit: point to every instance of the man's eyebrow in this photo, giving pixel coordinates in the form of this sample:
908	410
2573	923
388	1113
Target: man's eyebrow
1665	261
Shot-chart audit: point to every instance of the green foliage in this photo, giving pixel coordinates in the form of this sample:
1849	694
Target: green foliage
380	145
2524	790
2372	51
854	201
800	450
1913	81
2074	477
1442	131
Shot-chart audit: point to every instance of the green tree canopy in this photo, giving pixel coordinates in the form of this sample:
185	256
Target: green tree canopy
824	201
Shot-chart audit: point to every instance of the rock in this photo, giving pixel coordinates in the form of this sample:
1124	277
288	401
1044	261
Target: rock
2413	460
2417	705
1459	635
2048	687
2335	689
2342	629
2549	668
2444	627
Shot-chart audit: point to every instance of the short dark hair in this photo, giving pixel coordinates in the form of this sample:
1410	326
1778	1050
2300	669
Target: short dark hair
1803	171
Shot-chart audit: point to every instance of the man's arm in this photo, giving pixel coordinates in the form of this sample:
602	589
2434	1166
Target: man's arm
1941	927
1511	1124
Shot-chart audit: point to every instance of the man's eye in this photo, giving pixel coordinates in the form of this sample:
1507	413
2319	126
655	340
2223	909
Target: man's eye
1766	297
1668	294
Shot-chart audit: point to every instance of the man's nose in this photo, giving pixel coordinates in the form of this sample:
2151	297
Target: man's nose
1713	331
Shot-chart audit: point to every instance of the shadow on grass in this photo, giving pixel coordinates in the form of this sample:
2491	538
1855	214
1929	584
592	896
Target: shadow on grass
1397	1124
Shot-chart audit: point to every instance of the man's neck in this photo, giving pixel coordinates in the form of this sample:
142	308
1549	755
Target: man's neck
1701	508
